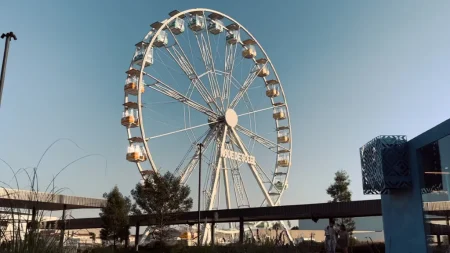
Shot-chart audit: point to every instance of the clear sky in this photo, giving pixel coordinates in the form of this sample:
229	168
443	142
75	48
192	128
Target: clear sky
351	70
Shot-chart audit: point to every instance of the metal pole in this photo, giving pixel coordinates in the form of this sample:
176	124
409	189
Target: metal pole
136	238
5	58
63	228
241	230
200	146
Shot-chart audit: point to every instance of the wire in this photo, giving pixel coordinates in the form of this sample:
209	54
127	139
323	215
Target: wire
182	130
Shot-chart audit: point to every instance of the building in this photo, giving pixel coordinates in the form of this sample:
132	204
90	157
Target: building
366	227
413	179
13	222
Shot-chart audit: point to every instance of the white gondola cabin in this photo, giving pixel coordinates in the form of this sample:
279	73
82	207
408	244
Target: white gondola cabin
215	27
280	173
283	135
249	52
161	39
177	26
272	88
197	23
136	140
283	158
130	118
262	66
233	37
275	193
131	83
279	185
136	153
279	112
139	55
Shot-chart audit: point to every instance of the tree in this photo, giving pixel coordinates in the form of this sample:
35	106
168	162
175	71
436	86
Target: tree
295	228
161	198
339	192
114	217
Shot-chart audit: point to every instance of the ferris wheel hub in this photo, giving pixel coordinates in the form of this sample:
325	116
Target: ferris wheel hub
231	117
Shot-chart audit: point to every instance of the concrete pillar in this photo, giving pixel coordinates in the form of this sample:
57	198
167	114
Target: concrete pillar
32	227
33	214
136	238
213	231
63	229
241	230
213	228
447	222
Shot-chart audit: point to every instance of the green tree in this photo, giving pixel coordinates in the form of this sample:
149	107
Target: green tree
339	192
161	198
295	228
115	217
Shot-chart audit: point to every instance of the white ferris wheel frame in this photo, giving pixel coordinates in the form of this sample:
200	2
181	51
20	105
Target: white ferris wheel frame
213	114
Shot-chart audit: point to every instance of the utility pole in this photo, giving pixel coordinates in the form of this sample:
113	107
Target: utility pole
200	146
5	58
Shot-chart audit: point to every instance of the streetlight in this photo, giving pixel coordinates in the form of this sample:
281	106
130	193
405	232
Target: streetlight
200	146
5	57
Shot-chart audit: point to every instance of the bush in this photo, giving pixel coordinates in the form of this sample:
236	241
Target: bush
301	248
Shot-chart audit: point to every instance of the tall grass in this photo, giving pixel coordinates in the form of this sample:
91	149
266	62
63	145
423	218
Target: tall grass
19	227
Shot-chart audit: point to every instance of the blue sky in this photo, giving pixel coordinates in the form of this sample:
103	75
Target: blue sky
351	70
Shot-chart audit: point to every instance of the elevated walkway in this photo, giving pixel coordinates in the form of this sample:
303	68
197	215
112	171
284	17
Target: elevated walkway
21	199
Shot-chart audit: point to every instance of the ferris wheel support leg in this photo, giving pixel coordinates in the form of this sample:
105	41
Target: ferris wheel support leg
227	186
252	168
291	240
144	236
258	179
213	189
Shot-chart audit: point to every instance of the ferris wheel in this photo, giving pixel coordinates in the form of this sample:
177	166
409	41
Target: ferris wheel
200	77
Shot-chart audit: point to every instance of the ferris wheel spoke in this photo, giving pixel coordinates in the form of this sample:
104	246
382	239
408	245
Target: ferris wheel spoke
208	60
260	110
230	55
191	147
182	60
252	168
247	83
181	130
187	170
170	92
261	140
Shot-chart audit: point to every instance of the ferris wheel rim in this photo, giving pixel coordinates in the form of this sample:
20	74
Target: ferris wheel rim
155	32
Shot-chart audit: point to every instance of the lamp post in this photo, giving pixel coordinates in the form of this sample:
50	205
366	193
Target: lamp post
200	146
5	58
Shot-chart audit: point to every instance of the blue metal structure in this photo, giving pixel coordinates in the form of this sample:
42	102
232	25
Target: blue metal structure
392	167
